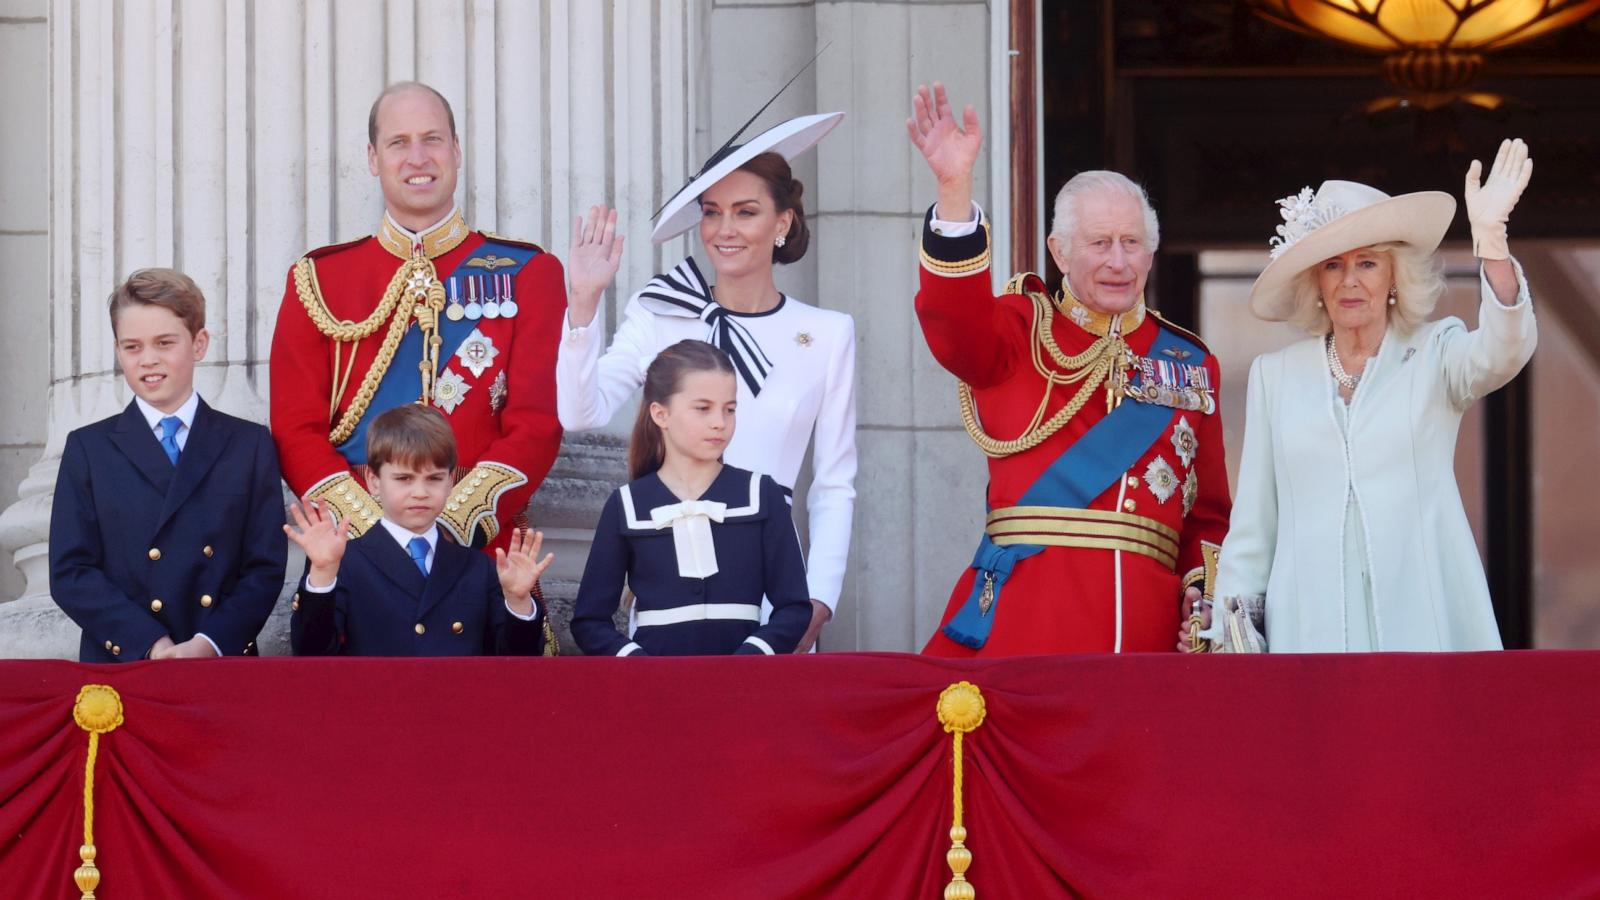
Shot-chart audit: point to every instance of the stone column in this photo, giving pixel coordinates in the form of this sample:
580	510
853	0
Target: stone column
226	137
919	503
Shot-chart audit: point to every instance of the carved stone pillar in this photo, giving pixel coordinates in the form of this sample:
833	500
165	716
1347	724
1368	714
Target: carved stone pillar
225	137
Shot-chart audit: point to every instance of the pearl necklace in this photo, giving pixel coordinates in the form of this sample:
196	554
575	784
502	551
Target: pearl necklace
1345	379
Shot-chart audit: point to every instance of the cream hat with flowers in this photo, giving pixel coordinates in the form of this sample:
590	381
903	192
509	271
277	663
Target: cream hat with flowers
1343	216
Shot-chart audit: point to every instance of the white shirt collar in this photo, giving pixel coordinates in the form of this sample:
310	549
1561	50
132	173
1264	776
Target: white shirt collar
403	535
185	413
416	237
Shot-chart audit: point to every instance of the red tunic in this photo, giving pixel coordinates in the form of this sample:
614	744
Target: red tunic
511	424
1064	599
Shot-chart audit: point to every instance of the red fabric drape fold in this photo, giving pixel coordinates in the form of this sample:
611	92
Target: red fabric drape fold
826	776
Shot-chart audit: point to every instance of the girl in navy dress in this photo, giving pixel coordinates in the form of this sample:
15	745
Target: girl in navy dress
699	543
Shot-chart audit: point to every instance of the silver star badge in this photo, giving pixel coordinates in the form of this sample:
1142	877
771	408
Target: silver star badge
477	353
449	389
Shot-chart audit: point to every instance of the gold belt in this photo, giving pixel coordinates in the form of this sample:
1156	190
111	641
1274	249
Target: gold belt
1057	526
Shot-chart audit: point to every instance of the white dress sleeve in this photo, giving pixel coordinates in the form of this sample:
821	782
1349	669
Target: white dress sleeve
831	501
1476	363
1246	558
590	387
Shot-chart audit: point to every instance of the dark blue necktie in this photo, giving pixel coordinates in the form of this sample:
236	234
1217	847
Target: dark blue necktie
169	437
419	554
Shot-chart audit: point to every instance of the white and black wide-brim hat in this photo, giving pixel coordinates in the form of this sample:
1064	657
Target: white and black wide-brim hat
1343	216
788	139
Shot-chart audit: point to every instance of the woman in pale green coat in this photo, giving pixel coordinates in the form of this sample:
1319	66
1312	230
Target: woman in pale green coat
1348	531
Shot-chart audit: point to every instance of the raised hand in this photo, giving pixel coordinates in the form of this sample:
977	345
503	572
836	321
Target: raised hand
951	150
323	540
1489	205
520	568
592	262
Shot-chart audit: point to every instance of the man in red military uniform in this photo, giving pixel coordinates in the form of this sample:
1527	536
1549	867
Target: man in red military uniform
1107	473
426	310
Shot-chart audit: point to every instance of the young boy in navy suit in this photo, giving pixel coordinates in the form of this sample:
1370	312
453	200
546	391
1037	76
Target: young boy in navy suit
166	536
399	590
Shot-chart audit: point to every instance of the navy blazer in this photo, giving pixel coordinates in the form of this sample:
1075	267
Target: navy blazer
382	605
140	550
758	553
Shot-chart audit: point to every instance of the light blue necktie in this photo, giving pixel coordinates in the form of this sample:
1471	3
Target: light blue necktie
169	437
419	554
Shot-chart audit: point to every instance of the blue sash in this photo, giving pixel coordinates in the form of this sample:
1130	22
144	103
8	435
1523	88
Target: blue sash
402	383
1083	472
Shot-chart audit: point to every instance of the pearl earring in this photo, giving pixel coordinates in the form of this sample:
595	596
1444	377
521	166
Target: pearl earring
782	239
1394	296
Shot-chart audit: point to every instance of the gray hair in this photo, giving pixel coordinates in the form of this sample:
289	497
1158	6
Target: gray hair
1418	284
1096	181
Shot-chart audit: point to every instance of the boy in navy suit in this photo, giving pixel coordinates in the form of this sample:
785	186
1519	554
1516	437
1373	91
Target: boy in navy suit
166	537
398	589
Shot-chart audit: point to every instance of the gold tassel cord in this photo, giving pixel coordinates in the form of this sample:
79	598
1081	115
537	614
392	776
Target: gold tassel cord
961	711
1104	363
98	710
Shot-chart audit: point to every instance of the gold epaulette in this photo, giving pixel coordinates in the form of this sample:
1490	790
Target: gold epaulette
472	503
349	500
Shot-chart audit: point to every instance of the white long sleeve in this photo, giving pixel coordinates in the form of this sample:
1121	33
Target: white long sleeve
591	387
1247	551
1476	363
830	503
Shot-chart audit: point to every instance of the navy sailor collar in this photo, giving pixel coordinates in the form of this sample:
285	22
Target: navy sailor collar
739	490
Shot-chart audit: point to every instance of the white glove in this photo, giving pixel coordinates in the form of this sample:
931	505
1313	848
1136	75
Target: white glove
1489	206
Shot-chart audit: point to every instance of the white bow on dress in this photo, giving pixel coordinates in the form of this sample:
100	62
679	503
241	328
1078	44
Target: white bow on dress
691	534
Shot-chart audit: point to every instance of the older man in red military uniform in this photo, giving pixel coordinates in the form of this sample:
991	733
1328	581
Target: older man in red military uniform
424	311
1107	474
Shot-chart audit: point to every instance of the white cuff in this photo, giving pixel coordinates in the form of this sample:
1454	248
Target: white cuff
629	649
576	334
314	589
214	648
526	618
759	644
949	229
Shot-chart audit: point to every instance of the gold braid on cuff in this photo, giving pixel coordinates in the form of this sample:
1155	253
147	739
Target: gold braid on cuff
472	503
350	501
958	268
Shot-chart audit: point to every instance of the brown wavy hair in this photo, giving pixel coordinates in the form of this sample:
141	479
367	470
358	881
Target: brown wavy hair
647	450
786	191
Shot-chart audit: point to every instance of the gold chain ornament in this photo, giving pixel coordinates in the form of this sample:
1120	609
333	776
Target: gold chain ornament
416	280
1105	362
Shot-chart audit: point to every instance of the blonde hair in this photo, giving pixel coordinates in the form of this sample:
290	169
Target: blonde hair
1418	284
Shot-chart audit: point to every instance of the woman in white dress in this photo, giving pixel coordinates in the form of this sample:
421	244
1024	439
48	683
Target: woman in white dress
795	362
1348	531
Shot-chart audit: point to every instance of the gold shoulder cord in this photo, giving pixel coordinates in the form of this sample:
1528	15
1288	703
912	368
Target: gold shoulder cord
418	273
1093	367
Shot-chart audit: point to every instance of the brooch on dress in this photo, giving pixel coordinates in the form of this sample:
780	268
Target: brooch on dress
803	338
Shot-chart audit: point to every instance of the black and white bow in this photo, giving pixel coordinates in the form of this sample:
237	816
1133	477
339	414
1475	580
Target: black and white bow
684	292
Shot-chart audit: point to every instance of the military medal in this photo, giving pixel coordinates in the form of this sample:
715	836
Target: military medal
455	312
477	353
491	300
508	303
474	309
497	393
1173	384
449	389
1184	441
